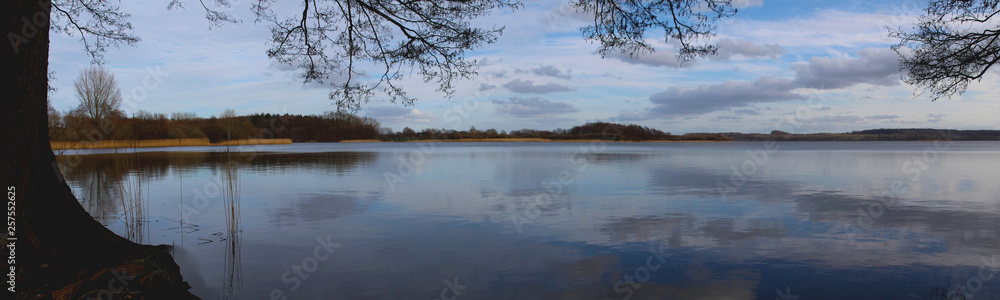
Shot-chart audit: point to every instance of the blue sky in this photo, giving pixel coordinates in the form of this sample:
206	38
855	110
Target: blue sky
798	66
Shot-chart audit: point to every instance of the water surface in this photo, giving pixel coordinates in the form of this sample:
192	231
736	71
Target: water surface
741	220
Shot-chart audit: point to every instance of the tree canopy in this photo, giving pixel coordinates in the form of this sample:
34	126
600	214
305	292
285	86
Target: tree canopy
337	42
953	44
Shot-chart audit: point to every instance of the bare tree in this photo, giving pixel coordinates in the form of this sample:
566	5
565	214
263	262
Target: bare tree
954	43
329	39
230	123
99	94
180	115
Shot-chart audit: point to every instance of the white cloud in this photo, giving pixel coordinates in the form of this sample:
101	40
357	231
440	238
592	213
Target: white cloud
548	70
872	66
747	3
714	97
827	28
398	114
532	107
529	87
739	48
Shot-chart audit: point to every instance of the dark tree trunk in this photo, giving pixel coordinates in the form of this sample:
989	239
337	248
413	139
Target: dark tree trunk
58	242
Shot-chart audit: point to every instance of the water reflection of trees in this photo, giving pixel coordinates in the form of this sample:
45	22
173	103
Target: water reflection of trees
103	181
156	165
99	187
106	180
333	162
96	174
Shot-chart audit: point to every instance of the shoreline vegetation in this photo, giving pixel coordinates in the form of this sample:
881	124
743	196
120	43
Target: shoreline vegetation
523	140
143	129
127	144
185	142
881	134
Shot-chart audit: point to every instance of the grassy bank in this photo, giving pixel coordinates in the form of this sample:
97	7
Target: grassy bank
525	140
490	140
60	145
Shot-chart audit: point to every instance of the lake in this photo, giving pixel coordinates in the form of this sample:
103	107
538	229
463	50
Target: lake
738	220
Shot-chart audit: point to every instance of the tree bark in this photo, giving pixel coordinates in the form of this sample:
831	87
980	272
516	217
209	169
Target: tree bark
54	235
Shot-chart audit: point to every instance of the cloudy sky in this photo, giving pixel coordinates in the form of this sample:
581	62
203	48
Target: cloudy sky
827	63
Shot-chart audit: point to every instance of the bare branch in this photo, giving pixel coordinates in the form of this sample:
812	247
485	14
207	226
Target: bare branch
620	25
953	44
343	39
99	23
338	40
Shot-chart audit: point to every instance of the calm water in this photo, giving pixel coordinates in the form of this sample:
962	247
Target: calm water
813	220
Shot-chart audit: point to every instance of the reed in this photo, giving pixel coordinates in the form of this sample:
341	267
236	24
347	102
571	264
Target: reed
130	190
491	140
253	142
232	281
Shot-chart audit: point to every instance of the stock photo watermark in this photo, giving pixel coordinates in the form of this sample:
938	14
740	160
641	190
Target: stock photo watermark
30	26
631	283
297	273
451	287
117	284
554	188
967	290
757	158
915	167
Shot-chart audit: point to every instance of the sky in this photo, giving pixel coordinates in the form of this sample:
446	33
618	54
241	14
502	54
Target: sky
800	66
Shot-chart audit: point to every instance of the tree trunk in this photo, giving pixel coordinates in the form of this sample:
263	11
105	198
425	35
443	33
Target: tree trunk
57	241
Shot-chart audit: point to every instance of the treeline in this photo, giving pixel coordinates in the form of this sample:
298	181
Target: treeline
596	130
329	127
881	134
909	134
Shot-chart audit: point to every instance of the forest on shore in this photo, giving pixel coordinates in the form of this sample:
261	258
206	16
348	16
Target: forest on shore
328	127
881	134
341	126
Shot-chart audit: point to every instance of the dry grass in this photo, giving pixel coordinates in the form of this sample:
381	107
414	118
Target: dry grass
254	142
60	145
490	140
551	140
683	141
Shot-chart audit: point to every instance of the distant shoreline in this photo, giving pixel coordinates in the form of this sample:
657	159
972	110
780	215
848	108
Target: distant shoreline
125	144
533	140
